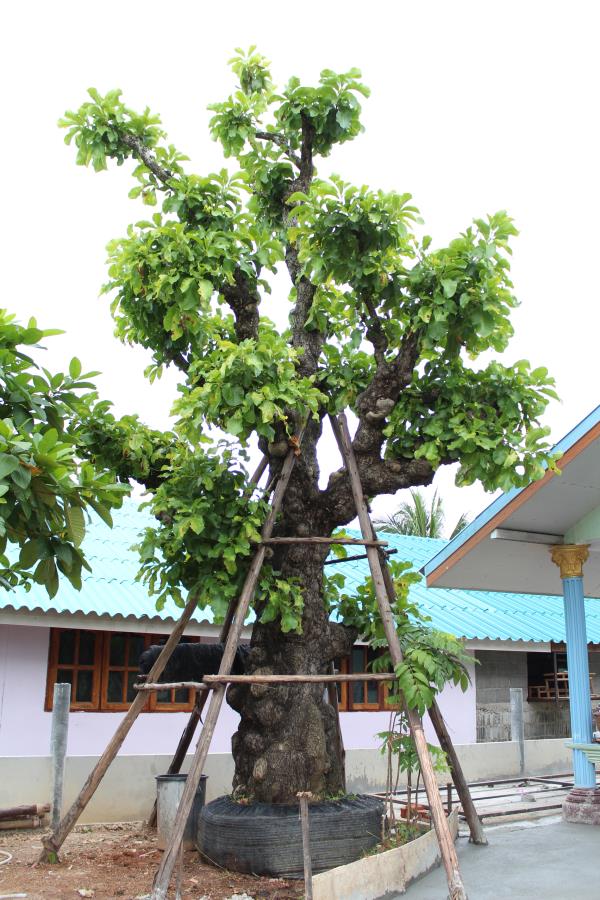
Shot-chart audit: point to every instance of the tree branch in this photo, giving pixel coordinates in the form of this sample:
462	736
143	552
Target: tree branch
281	142
378	476
136	144
310	342
243	298
375	332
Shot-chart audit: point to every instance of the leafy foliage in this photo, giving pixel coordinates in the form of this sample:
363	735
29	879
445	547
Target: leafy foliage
45	488
247	387
187	283
432	658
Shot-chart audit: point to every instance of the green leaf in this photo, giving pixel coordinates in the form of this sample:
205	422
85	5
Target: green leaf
449	286
76	523
8	464
31	551
75	368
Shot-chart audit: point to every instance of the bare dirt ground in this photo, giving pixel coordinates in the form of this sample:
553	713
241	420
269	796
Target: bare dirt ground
105	862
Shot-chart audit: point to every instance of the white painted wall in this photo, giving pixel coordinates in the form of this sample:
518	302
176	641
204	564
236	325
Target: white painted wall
25	726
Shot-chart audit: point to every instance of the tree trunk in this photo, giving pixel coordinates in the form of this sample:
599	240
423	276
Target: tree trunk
287	739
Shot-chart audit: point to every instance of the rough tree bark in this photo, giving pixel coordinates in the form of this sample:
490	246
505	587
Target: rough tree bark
287	738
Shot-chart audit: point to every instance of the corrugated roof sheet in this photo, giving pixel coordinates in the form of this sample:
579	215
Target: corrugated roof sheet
111	590
479	614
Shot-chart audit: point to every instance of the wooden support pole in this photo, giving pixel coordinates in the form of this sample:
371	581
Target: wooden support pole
169	859
332	696
27	822
447	849
184	742
54	841
304	797
24	812
437	720
314	539
460	782
209	680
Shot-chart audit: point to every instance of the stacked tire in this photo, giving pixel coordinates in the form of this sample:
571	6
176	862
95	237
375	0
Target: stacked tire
266	839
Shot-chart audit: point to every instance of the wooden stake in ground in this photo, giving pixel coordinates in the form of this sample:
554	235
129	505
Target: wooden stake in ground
54	841
304	797
165	871
447	849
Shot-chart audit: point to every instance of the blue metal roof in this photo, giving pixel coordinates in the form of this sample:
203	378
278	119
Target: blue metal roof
506	498
478	614
111	590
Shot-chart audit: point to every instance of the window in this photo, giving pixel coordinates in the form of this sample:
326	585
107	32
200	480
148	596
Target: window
361	695
102	667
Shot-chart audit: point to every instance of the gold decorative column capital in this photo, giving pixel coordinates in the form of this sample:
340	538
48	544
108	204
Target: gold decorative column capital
570	559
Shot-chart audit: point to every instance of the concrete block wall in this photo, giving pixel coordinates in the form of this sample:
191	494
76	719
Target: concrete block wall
499	671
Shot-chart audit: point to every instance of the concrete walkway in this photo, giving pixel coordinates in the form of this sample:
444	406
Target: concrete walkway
547	859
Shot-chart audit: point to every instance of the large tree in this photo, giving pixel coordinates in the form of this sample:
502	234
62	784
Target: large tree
380	323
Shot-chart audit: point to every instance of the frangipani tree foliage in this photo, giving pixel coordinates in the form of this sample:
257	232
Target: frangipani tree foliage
45	485
380	321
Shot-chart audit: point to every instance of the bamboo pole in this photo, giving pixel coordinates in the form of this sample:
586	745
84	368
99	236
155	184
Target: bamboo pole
314	539
169	859
332	696
437	720
304	797
446	844
460	782
184	742
54	841
28	822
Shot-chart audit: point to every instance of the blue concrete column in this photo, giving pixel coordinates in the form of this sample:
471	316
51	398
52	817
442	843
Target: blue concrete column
570	558
579	680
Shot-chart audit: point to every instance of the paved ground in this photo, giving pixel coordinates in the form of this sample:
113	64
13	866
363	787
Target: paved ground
547	859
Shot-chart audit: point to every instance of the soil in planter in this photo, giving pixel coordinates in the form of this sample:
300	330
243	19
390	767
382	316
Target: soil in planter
266	839
403	834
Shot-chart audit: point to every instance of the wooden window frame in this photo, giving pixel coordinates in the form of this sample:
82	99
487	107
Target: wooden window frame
54	666
345	694
101	668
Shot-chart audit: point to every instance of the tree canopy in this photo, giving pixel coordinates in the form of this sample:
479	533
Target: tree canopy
381	321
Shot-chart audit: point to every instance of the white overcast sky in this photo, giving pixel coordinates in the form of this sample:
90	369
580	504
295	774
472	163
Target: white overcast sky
475	107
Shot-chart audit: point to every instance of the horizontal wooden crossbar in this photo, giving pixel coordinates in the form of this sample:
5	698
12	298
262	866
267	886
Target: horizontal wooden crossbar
323	540
210	680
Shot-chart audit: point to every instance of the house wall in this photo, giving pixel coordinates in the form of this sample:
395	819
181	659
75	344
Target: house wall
25	726
23	672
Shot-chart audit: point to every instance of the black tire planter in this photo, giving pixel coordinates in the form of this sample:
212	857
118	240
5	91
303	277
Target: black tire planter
265	839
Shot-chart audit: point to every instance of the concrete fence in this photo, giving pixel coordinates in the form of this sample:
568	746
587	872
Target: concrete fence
128	789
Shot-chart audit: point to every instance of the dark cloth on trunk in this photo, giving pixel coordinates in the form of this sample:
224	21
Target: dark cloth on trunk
190	662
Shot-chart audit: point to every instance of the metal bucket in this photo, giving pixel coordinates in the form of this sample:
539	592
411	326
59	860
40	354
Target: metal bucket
169	789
